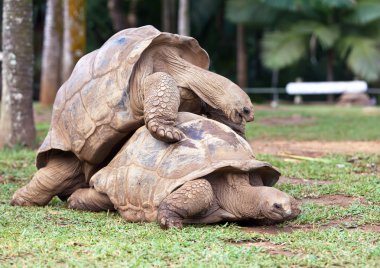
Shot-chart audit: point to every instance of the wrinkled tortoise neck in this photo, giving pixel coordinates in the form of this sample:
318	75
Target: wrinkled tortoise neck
209	86
237	196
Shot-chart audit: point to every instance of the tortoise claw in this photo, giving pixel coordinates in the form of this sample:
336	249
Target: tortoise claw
165	133
169	219
19	200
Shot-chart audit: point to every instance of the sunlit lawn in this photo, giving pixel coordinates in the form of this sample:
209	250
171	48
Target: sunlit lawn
57	236
328	123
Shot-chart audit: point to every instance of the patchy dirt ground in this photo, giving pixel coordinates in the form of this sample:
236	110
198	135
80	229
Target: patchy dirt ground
346	223
326	200
315	148
338	200
42	114
287	121
269	247
297	181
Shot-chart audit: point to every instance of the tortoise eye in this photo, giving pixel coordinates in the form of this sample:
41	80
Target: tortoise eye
277	206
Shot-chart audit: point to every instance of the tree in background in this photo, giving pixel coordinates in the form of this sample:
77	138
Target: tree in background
117	15
120	21
74	35
183	18
346	29
16	122
255	16
168	16
51	54
241	56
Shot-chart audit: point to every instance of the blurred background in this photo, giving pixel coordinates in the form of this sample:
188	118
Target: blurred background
262	45
256	43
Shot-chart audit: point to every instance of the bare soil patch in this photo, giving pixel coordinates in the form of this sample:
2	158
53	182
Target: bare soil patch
330	200
42	115
273	249
287	121
298	181
315	148
346	223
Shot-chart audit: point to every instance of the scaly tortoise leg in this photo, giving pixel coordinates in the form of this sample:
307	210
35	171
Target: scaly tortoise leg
190	199
161	102
62	174
89	199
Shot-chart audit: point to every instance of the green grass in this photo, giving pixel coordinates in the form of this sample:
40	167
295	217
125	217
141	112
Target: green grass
328	123
56	236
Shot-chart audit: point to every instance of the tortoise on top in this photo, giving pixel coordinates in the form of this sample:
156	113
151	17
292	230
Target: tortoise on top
139	75
208	177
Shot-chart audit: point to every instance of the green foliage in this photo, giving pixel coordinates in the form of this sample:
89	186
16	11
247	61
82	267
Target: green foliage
251	12
366	11
347	27
282	49
363	56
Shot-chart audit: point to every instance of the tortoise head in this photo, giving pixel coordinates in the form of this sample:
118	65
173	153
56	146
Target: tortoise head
241	108
277	205
215	90
221	94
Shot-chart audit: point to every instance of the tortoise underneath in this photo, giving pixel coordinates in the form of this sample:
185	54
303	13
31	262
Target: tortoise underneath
208	177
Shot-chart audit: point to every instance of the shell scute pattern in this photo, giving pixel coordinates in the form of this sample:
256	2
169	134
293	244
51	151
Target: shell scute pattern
94	108
80	76
143	180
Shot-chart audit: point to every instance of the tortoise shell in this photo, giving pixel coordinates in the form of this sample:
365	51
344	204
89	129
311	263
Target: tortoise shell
92	111
147	170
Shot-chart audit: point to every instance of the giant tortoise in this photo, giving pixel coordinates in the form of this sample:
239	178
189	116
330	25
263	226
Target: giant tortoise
209	176
139	76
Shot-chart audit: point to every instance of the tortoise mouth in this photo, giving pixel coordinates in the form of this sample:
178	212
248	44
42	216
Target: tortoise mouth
227	119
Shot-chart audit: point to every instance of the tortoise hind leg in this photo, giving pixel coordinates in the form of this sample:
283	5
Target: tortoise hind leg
190	199
62	173
89	199
161	102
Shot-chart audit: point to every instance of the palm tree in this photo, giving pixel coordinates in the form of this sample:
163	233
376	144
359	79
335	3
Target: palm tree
74	35
183	18
16	122
168	15
51	55
344	28
252	14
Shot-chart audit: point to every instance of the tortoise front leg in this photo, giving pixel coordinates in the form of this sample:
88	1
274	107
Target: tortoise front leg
189	200
161	102
89	199
61	176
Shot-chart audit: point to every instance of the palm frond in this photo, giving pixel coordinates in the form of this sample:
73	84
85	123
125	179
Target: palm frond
281	49
363	56
337	3
326	35
290	5
366	11
250	12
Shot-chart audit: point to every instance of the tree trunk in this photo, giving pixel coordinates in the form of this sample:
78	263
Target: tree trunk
16	122
74	35
183	18
168	15
51	55
132	17
330	65
118	18
330	72
241	57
